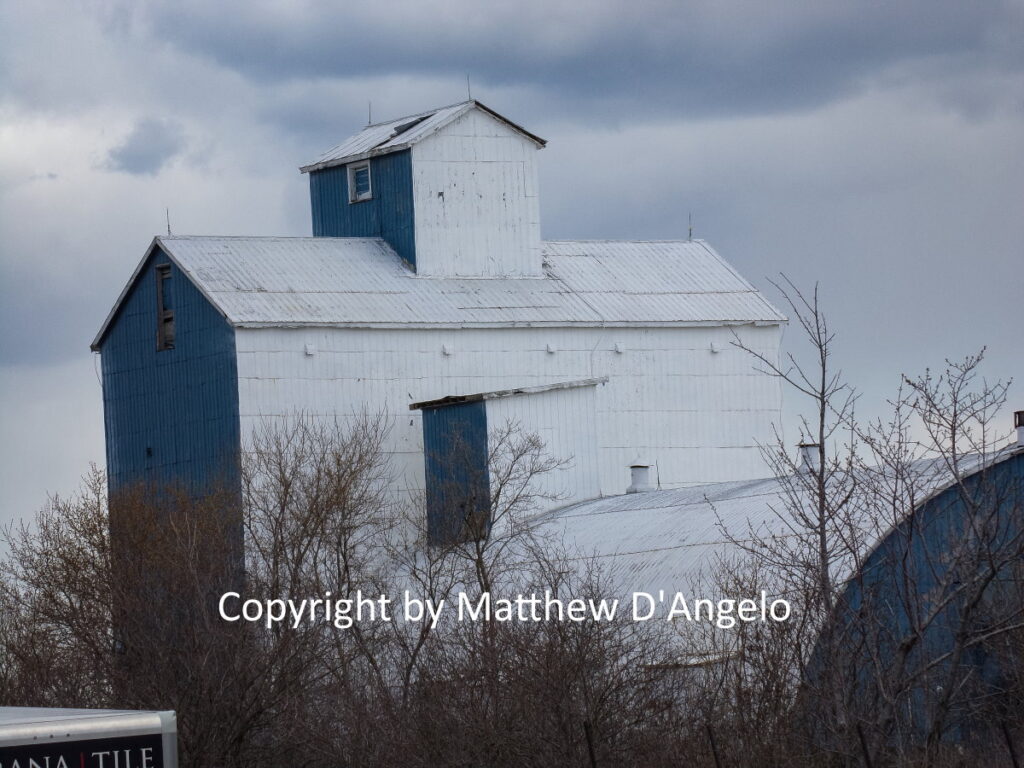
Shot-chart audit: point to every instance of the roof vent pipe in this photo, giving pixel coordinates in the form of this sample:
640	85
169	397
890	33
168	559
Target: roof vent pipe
1018	422
640	475
810	456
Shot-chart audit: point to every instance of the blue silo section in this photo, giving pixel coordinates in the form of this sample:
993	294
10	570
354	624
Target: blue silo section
388	214
457	477
910	570
170	415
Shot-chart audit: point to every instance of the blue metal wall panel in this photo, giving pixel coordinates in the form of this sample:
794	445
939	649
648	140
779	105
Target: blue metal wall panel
915	556
170	416
457	478
388	214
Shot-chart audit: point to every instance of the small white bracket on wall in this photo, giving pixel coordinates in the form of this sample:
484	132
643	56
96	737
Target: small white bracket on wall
310	349
447	350
551	350
715	349
618	348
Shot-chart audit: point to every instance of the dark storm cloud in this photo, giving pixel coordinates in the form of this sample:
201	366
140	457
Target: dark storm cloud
149	146
678	58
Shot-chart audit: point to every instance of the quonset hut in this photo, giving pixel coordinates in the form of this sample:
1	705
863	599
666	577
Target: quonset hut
925	633
426	283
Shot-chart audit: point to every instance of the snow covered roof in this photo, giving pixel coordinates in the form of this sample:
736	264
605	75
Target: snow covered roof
402	133
362	282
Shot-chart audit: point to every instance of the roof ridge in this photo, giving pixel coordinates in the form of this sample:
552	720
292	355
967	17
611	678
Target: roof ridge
400	133
424	113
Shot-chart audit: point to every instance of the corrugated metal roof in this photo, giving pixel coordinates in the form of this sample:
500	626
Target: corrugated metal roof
320	281
666	540
394	135
672	540
668	281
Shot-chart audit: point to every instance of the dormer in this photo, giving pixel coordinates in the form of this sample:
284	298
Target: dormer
452	190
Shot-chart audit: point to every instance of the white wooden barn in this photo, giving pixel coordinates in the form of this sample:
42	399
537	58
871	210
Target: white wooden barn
426	279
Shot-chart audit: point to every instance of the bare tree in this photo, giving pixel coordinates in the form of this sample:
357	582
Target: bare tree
888	595
56	603
942	582
816	533
120	607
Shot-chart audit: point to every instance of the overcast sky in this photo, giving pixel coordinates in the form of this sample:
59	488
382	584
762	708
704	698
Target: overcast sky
877	148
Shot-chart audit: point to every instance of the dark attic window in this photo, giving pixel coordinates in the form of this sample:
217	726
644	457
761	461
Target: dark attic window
164	308
359	182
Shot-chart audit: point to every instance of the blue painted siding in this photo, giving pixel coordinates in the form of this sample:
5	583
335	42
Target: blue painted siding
907	570
457	478
388	214
171	416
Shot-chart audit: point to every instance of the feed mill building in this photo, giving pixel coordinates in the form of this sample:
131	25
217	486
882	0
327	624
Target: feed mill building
426	283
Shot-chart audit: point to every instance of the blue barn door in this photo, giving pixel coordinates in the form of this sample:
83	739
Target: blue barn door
457	478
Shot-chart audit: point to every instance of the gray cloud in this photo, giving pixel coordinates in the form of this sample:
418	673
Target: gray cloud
41	334
149	146
692	58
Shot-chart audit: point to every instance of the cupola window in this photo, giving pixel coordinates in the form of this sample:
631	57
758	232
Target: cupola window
359	182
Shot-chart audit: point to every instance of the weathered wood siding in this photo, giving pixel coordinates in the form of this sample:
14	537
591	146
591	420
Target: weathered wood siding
476	205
